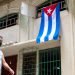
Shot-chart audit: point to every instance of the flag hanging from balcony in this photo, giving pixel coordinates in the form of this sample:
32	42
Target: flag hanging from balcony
50	23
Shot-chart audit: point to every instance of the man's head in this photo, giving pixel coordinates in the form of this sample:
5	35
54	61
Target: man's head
1	39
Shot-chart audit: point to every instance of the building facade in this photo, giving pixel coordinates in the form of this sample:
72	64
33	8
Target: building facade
19	33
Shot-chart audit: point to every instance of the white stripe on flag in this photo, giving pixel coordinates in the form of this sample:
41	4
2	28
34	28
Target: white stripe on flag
53	25
45	27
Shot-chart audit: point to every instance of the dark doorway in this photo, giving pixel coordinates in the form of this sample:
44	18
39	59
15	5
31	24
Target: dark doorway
12	62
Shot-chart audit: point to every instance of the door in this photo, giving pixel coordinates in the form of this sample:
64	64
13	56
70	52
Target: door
12	62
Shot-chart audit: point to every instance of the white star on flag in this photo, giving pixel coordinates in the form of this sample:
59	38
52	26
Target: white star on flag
49	11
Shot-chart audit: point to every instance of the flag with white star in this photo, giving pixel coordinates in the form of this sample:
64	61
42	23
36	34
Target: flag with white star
50	23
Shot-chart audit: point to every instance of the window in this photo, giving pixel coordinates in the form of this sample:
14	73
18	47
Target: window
47	3
29	64
49	62
8	20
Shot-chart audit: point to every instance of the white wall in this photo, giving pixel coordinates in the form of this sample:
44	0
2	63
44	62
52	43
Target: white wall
10	34
36	26
10	8
27	22
3	10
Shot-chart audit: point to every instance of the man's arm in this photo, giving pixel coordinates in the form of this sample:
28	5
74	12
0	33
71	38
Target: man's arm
6	66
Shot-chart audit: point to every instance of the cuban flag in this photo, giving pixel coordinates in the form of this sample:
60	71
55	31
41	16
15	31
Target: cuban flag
50	23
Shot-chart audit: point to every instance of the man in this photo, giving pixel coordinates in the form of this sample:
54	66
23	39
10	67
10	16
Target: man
2	60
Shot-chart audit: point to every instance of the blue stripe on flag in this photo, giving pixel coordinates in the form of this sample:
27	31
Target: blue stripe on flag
57	22
41	28
49	28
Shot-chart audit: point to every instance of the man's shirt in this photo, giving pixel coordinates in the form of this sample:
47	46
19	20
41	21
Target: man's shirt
1	55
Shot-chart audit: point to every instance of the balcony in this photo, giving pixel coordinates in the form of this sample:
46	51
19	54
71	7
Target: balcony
20	28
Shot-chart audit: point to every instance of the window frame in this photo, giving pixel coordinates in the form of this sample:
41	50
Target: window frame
7	19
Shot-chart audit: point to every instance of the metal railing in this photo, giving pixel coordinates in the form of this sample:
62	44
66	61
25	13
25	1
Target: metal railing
8	23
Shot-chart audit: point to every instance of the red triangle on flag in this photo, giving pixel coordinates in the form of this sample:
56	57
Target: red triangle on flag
49	9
